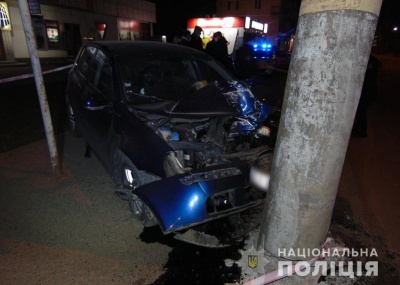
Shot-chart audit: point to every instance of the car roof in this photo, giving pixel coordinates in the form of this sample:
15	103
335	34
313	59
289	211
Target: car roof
144	48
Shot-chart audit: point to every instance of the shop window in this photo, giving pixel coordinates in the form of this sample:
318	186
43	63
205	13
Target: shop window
40	33
53	34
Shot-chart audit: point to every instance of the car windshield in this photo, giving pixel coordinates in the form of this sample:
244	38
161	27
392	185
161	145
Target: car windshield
147	80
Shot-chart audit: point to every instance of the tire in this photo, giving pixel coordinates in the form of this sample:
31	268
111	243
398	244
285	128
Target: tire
72	121
130	180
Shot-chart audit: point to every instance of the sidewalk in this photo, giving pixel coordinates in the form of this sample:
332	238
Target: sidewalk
70	229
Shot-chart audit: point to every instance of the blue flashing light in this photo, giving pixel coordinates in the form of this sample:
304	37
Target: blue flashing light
255	46
269	46
264	46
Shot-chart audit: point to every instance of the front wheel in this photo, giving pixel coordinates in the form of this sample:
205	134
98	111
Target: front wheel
138	208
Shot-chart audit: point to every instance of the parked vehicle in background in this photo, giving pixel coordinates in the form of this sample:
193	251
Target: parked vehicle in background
174	129
252	58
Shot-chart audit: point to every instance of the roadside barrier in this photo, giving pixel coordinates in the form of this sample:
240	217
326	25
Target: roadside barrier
29	75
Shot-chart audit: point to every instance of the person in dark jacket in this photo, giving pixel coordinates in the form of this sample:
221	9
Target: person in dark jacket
368	94
195	39
218	48
185	38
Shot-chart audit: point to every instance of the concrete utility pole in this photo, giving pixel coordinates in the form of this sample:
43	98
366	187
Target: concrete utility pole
332	47
37	71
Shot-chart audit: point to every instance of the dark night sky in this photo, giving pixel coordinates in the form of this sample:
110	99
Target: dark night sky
172	15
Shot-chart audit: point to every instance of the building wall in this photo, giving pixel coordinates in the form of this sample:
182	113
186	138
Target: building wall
82	13
268	12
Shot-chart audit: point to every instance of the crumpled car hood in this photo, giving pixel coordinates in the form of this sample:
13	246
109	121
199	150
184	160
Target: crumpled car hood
222	98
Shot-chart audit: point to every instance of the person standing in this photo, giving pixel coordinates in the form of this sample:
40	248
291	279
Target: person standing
195	39
218	48
185	38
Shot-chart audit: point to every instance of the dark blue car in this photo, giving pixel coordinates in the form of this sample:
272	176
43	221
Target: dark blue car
175	130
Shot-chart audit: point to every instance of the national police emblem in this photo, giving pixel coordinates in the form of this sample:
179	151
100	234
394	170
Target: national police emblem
252	261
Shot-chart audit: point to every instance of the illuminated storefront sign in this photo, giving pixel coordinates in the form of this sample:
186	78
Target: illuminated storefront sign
257	25
249	24
5	23
128	29
227	22
101	28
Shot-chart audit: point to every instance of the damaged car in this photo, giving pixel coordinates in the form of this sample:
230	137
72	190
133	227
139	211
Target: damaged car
186	142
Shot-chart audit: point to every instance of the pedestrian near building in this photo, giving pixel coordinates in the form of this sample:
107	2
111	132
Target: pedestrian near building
218	48
185	38
195	39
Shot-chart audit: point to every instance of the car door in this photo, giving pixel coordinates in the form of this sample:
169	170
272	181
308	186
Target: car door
97	105
77	84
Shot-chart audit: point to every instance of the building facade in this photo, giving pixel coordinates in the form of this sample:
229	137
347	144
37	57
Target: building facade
280	16
62	26
261	11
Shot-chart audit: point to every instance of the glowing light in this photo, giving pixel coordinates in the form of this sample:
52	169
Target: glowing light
193	201
395	28
257	25
247	23
264	45
265	28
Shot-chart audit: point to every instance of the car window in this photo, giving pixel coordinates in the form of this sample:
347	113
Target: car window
151	79
100	75
84	60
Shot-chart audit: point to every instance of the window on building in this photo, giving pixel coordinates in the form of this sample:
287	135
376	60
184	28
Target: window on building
228	5
40	33
257	4
237	5
47	34
53	34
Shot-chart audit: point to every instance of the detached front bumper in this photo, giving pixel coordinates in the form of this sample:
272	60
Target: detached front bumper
186	200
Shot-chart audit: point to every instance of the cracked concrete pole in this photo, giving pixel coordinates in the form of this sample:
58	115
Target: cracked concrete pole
332	47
